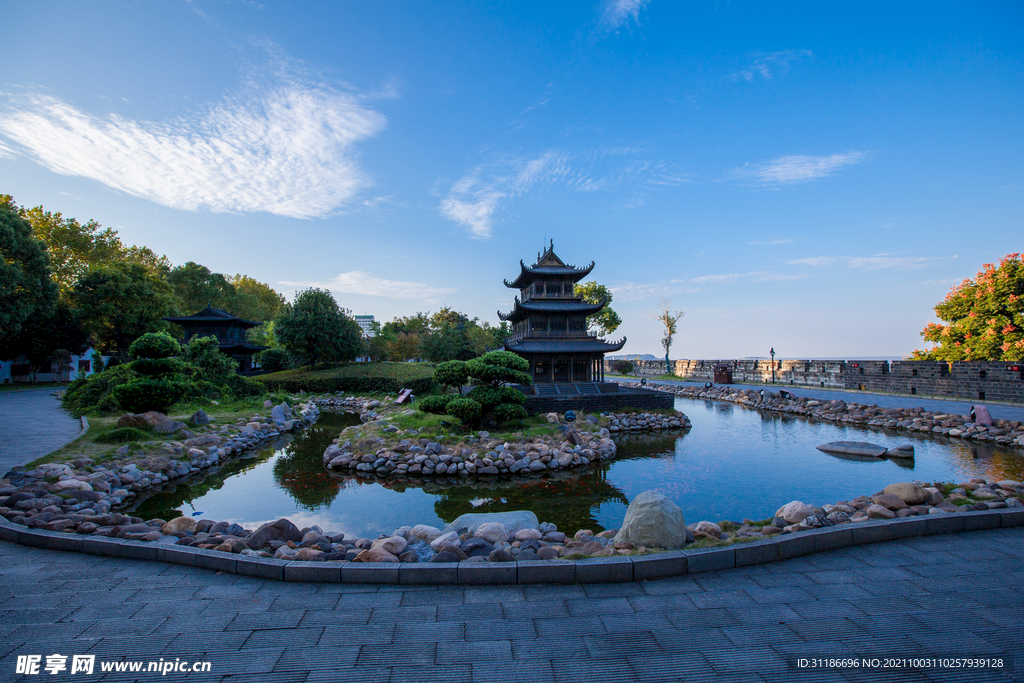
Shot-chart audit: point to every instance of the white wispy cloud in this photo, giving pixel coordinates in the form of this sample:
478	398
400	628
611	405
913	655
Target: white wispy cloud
797	168
637	291
876	262
616	13
361	282
284	147
767	65
474	199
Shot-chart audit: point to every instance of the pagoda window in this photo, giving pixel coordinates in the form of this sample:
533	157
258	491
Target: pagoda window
553	288
557	324
577	324
538	325
567	288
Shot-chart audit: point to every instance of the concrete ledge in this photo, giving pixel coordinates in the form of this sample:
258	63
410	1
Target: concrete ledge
832	538
216	560
432	573
546	571
68	542
591	570
369	572
756	552
870	532
604	570
709	560
487	573
795	545
316	572
263	567
975	521
949	523
661	565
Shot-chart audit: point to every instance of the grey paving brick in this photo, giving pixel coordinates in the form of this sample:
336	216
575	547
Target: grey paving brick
759	634
761	613
400	614
827	629
593	671
521	672
675	667
548	609
641	621
752	659
572	626
389	655
554	648
370	634
475	651
721	598
701	618
453	673
600	606
434	633
495	594
442	596
496	629
283	637
297	657
257	620
786	594
621	644
355	674
474	612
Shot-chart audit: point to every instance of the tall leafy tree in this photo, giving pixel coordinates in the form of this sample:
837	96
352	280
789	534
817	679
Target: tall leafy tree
44	338
119	303
605	321
26	289
196	287
74	248
982	318
315	330
255	300
669	319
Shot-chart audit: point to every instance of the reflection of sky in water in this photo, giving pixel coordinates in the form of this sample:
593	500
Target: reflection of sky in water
734	463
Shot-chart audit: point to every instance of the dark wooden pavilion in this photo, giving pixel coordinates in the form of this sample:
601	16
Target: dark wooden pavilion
229	330
549	323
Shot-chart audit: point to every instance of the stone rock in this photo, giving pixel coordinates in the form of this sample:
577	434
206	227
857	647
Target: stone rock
879	512
499	555
180	524
795	512
707	529
889	500
307	554
451	538
591	547
909	492
268	403
423	532
547	553
65	485
375	555
168	426
277	414
129	420
454	550
281	530
153	417
653	520
199	417
514	520
527	534
394	545
445	556
492	532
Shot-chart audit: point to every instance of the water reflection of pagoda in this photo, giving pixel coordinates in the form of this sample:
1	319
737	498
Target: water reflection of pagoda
549	323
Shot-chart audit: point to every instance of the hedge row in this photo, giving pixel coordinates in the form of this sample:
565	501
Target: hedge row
361	379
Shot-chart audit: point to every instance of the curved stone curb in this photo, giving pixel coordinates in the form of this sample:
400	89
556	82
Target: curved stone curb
593	570
85	429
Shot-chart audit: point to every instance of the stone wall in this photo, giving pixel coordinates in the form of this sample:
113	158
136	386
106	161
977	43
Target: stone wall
970	380
633	398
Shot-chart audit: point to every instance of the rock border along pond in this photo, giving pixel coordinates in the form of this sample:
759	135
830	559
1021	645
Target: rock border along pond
62	508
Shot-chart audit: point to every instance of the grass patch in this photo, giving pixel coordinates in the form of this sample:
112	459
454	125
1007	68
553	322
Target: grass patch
359	378
123	435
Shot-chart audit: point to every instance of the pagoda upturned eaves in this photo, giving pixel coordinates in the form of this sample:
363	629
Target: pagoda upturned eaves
548	266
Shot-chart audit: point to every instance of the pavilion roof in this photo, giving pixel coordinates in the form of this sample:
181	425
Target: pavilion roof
212	315
587	345
548	266
523	308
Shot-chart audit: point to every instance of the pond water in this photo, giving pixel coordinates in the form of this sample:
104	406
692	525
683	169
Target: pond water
734	463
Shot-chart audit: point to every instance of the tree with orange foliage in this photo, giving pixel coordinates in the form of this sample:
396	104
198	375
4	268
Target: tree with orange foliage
984	317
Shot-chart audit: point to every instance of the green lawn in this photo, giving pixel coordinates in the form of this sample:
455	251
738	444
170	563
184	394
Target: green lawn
387	378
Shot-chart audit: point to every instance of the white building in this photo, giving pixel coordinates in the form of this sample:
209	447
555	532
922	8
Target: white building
17	370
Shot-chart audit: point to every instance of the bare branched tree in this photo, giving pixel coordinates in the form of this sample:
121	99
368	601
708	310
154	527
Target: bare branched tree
670	319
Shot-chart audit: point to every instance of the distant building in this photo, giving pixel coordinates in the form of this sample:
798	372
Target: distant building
229	330
365	323
17	370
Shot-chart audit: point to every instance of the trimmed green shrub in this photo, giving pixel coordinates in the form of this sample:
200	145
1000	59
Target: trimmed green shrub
274	360
154	345
436	404
506	412
466	410
96	391
151	393
499	367
159	383
451	373
242	387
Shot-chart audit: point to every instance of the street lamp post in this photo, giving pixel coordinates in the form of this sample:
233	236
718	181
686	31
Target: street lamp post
772	352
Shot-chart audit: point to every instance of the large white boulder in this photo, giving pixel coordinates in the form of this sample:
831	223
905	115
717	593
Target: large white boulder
908	491
653	520
795	512
423	532
513	520
492	532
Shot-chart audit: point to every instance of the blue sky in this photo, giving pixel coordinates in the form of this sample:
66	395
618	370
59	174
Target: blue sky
808	177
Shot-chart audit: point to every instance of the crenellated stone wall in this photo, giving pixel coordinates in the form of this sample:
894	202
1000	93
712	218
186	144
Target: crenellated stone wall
970	380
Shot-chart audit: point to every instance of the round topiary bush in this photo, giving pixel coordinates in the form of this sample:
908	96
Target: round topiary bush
160	383
274	360
436	404
507	412
154	345
466	410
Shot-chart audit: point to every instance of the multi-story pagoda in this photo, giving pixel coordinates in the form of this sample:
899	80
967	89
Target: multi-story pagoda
549	323
229	330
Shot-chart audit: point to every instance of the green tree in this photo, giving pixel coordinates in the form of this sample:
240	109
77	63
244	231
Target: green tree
984	317
26	289
669	319
605	321
74	248
196	286
315	330
499	368
213	366
119	303
255	300
451	373
46	338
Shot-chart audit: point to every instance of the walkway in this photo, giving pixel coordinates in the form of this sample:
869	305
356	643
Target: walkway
956	406
32	424
939	596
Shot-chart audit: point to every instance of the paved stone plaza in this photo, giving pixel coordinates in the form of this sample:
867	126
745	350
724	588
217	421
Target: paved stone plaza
32	424
940	596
